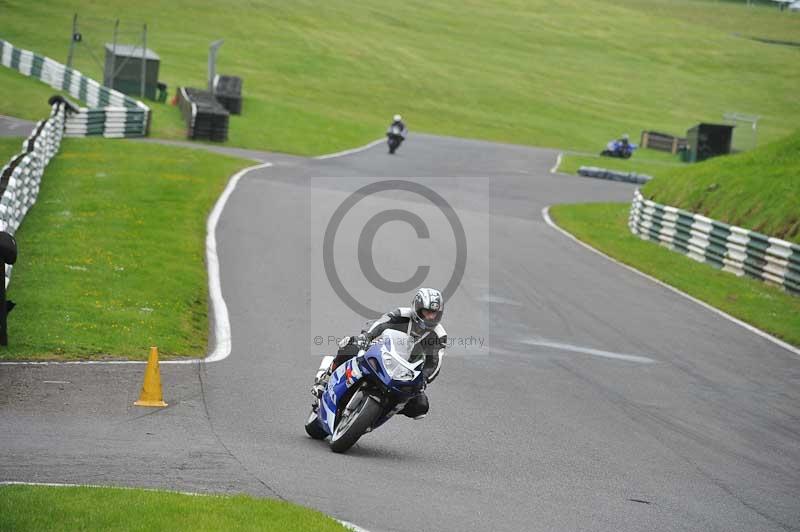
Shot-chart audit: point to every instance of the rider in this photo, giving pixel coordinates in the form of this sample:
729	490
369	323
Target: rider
397	120
421	322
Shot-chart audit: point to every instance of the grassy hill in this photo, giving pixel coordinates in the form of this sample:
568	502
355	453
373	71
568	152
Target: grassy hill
759	190
564	73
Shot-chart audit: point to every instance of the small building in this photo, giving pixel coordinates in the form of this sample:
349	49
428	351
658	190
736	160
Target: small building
123	70
708	140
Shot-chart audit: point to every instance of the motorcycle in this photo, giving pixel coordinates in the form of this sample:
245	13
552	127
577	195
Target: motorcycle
394	137
617	148
366	391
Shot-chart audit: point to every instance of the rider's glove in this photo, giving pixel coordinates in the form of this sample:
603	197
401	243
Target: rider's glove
344	342
361	341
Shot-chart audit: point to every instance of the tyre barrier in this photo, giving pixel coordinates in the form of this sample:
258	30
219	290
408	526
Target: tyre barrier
21	176
205	117
109	113
613	175
729	248
228	92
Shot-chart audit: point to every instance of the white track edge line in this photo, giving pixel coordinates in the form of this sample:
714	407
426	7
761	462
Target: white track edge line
68	485
751	328
349	152
346	524
351	526
222	326
554	169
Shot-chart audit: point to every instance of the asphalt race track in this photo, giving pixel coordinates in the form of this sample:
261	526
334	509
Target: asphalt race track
15	127
600	401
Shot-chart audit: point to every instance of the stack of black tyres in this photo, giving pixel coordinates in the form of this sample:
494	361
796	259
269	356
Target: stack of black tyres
228	90
205	117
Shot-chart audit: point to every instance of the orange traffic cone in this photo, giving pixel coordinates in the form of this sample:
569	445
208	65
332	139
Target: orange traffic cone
151	389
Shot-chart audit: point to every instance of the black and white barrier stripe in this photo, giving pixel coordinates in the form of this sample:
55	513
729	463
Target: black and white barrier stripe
730	248
613	175
21	177
109	113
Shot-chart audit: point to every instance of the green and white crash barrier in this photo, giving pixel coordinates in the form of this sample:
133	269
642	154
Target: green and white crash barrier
109	113
21	177
730	248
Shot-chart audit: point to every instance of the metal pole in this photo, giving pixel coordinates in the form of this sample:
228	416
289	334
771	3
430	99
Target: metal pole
72	39
113	73
144	60
212	63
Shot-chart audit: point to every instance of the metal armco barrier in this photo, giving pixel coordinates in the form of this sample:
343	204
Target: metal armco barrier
20	178
730	248
110	113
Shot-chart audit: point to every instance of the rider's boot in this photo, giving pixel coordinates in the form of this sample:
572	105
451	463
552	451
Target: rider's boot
321	379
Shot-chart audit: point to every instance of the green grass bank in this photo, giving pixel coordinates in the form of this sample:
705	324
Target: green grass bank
112	255
319	77
604	227
35	508
759	190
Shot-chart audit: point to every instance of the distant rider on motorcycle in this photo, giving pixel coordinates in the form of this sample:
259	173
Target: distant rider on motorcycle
397	120
421	322
396	134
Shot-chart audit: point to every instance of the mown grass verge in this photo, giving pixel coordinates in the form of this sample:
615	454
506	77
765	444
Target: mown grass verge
24	508
643	161
111	257
604	226
320	77
9	146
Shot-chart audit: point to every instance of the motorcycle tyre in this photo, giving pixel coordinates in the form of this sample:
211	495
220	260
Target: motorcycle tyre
369	413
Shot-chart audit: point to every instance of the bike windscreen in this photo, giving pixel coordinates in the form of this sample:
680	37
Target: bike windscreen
399	343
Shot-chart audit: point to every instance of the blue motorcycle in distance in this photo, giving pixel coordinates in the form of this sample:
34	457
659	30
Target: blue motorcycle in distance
618	148
364	392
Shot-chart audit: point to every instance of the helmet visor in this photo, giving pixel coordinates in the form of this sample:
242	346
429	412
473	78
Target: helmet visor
429	318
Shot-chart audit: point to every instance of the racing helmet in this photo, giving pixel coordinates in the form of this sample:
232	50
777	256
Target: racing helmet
428	299
397	118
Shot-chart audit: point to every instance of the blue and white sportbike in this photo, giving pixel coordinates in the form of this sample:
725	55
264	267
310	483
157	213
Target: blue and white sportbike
364	392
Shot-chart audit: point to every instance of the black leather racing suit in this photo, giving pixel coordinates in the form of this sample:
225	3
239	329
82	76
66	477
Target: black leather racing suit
402	126
430	344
